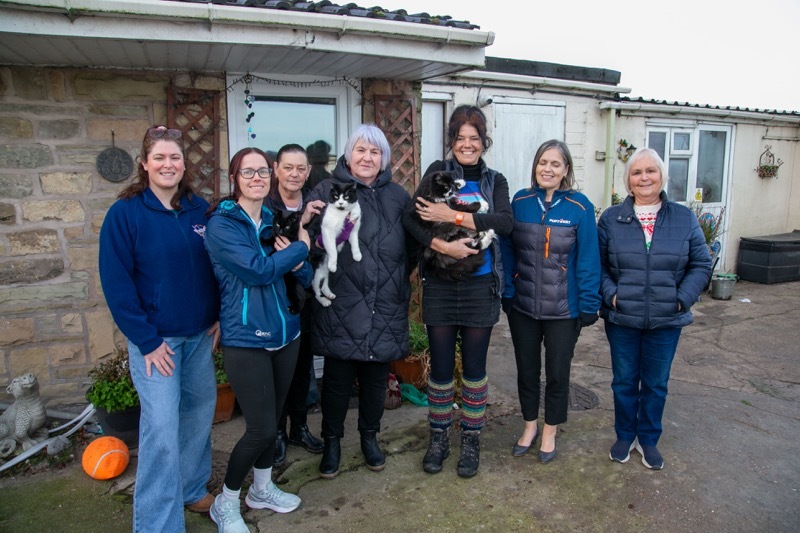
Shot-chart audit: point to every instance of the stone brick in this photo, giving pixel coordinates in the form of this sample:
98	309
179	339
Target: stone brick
67	393
101	332
56	85
59	129
15	186
30	359
44	110
30	270
16	331
8	214
57	327
74	233
63	210
124	129
208	83
16	128
29	83
31	155
121	110
67	353
30	297
82	257
60	183
97	222
111	86
39	241
71	373
79	154
71	323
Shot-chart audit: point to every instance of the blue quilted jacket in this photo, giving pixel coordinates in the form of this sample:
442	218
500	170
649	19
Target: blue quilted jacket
655	287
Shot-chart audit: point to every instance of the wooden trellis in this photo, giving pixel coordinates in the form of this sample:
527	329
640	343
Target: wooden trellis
396	117
196	113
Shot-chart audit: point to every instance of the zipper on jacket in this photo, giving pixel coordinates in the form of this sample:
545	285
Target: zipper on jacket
280	314
245	297
547	242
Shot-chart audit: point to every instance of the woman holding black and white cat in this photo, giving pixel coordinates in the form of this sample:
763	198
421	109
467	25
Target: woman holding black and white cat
552	268
366	325
467	308
260	338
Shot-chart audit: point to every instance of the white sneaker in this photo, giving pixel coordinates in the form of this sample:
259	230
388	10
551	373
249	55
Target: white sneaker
226	515
271	498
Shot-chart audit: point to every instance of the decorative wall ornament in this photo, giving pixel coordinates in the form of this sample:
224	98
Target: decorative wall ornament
114	164
625	150
767	165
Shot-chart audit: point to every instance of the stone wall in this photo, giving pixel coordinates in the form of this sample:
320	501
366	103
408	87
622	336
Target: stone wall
53	125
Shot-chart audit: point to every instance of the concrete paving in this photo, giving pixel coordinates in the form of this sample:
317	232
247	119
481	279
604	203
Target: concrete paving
730	444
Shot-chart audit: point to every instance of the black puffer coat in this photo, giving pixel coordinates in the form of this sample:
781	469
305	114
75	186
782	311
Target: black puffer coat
368	320
655	287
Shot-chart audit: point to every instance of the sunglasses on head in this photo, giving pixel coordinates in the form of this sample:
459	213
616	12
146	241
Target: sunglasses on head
162	132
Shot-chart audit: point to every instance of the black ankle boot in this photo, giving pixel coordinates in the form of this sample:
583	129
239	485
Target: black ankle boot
331	454
376	461
301	436
438	450
470	453
280	448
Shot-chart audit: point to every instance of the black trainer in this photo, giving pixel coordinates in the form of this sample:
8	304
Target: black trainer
470	457
438	450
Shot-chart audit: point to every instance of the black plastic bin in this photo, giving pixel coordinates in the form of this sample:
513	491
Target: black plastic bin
770	259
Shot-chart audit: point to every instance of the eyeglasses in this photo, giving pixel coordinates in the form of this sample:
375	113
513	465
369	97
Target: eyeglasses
162	132
248	173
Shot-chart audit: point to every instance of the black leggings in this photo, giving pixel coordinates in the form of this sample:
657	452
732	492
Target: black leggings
260	378
474	347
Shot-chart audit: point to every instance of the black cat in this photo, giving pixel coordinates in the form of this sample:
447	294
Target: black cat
443	187
286	224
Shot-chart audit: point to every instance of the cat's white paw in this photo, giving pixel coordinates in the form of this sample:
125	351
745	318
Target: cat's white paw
332	266
356	255
324	301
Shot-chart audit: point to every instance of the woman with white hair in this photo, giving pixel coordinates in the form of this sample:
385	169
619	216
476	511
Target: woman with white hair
654	265
366	326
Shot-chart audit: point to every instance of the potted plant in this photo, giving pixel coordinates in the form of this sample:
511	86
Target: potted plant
115	398
416	366
225	396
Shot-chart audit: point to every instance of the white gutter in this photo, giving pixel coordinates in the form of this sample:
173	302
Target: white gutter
678	110
537	82
219	14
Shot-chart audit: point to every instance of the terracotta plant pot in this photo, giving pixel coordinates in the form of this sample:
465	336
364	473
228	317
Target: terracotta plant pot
225	402
410	370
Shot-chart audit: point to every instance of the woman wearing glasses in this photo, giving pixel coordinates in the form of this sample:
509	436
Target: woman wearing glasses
260	338
160	288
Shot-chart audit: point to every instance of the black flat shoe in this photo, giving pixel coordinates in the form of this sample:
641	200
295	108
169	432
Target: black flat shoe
519	451
546	457
279	459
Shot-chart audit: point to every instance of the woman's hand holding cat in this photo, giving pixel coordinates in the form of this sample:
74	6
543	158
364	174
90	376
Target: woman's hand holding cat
457	249
281	243
312	209
434	212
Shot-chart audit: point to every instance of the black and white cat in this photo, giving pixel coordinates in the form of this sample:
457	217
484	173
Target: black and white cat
287	224
340	223
443	187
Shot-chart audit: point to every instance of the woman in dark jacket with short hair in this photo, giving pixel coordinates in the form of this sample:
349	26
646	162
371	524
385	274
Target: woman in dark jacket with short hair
366	325
654	263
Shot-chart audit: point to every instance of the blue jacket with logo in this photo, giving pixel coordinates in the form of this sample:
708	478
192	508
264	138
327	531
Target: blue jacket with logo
250	274
551	260
156	276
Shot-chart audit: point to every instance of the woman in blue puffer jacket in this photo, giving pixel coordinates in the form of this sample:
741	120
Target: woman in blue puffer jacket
260	337
655	263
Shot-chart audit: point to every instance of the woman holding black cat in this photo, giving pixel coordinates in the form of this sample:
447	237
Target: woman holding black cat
260	337
365	327
552	267
468	308
286	195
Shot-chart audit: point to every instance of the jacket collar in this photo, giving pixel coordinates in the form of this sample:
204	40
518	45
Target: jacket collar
342	173
151	201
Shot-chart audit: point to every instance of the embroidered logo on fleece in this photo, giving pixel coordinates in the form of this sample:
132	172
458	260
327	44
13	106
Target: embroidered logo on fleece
200	229
559	221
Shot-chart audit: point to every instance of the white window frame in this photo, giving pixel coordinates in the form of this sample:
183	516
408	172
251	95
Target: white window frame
348	105
675	151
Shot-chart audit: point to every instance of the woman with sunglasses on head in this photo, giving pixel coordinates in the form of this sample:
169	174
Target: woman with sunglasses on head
260	338
287	193
160	288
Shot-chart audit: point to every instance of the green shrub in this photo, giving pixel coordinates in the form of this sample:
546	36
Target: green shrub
112	388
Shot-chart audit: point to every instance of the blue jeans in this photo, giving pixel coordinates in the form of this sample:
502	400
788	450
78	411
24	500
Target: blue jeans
641	361
174	433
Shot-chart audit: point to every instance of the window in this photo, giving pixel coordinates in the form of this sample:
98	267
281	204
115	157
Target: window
697	160
299	110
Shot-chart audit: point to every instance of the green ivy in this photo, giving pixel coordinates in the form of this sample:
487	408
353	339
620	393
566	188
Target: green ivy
112	388
219	368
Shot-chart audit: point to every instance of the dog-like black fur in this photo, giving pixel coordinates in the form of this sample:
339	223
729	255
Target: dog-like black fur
287	224
443	187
